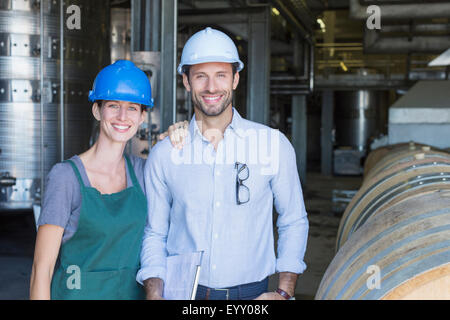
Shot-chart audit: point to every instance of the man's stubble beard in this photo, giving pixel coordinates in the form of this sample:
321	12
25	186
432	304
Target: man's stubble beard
200	104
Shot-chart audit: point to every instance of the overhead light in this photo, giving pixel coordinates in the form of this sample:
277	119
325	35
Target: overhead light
275	11
322	25
343	66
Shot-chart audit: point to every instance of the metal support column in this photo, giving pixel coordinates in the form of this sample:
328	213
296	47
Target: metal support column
299	133
327	132
146	25
154	26
258	67
154	29
299	116
168	87
61	82
42	98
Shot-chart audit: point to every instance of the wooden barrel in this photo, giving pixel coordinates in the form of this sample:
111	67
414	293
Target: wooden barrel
403	252
403	154
376	155
399	181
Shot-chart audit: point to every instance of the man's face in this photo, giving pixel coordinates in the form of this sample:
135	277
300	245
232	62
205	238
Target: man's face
211	85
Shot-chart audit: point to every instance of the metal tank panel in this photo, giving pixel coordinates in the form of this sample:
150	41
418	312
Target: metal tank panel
29	143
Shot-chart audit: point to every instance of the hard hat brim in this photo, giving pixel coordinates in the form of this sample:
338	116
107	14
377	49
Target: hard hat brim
208	60
93	98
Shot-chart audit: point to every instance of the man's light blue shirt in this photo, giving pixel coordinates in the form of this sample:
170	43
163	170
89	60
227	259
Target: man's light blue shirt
191	196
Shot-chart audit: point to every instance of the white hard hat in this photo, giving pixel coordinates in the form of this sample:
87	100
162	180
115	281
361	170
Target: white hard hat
209	45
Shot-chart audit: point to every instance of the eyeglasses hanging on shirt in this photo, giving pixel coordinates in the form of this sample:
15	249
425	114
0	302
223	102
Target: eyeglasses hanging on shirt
242	191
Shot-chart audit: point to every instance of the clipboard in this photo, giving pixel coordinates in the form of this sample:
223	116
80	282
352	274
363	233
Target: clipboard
182	276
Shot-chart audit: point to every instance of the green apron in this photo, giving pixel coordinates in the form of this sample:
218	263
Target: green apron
102	258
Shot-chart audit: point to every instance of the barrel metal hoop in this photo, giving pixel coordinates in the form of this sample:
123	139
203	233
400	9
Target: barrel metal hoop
376	185
438	254
391	193
409	159
354	256
389	270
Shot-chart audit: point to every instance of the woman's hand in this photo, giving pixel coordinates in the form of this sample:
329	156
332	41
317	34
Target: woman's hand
177	134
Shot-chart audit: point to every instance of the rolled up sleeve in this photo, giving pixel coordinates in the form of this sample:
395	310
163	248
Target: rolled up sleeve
292	223
159	200
58	198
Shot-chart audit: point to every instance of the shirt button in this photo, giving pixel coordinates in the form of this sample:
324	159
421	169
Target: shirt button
214	267
216	236
218	173
218	204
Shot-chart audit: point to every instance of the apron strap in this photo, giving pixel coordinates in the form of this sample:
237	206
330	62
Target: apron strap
77	172
132	174
130	171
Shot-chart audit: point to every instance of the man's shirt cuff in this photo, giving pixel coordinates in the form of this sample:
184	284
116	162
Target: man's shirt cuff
150	272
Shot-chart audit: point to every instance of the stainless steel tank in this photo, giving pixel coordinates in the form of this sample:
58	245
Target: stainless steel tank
147	61
39	124
359	116
120	34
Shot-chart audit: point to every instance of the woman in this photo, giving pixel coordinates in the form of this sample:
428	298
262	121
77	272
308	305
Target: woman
94	210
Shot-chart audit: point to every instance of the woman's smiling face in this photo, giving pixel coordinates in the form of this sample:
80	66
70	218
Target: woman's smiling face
119	120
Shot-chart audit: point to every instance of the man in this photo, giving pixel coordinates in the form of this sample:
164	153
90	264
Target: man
216	194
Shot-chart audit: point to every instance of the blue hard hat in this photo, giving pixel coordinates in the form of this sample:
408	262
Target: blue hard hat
122	81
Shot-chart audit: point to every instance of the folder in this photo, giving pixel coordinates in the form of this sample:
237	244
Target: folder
182	276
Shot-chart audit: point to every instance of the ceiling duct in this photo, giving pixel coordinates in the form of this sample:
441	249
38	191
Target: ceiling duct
407	36
403	11
374	43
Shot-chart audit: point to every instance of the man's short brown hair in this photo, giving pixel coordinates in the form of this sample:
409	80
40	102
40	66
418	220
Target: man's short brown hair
187	68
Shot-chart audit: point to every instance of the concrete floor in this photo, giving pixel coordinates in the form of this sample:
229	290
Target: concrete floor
323	227
17	236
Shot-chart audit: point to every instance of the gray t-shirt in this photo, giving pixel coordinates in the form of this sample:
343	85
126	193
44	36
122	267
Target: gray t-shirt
62	200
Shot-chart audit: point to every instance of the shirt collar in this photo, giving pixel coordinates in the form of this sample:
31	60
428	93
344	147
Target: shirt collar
236	123
235	126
